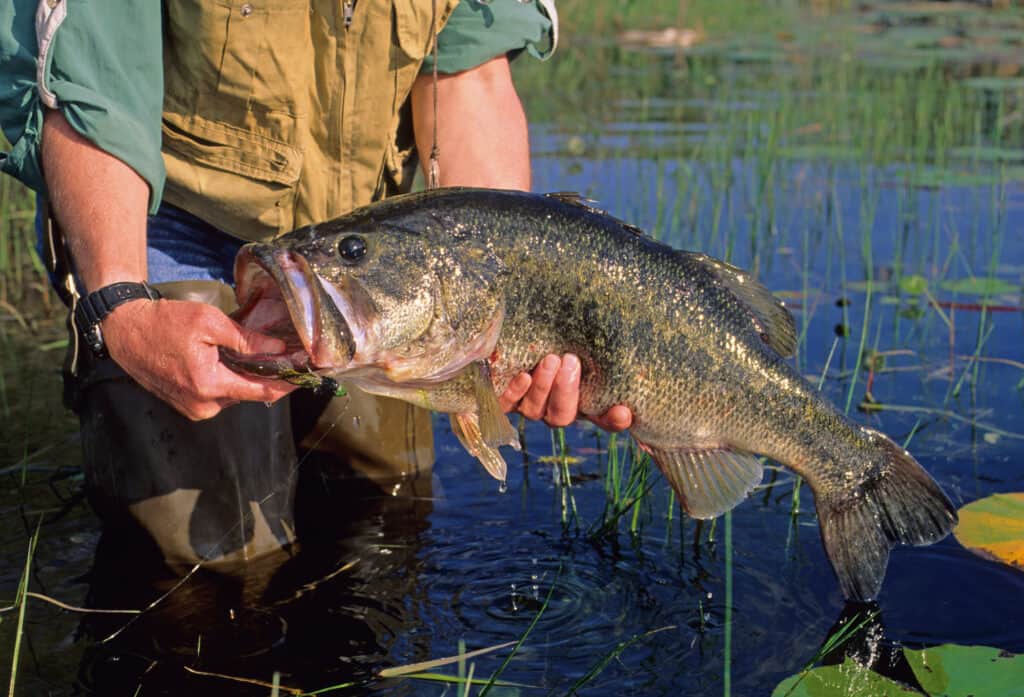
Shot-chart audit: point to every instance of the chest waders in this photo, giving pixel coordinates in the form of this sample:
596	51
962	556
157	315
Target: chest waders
246	151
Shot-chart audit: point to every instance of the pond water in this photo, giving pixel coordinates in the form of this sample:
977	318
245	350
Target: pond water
638	606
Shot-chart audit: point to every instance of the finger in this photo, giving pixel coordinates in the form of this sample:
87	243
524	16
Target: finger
515	391
240	388
223	331
534	403
618	418
250	342
564	400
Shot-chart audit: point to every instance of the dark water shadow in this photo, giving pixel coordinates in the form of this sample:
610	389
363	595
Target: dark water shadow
329	611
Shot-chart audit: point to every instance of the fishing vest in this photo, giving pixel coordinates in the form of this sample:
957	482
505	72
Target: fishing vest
281	113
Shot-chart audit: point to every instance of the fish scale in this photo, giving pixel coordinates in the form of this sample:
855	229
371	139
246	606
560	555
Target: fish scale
451	293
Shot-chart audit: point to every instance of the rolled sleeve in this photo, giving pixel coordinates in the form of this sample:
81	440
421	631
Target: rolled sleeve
479	31
102	68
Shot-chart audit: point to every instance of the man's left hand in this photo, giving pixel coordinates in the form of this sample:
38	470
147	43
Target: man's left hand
552	393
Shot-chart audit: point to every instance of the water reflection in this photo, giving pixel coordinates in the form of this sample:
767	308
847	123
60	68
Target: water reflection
328	612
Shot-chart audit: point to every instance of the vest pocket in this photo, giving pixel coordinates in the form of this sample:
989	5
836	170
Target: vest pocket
412	26
247	52
240	182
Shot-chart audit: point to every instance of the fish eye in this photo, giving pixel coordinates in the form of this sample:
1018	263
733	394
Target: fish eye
352	248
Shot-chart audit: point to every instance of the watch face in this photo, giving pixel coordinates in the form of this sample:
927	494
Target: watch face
94	337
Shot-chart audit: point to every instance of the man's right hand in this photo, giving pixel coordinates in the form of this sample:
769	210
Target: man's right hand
170	347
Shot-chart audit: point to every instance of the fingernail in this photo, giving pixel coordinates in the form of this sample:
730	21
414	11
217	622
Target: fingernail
570	363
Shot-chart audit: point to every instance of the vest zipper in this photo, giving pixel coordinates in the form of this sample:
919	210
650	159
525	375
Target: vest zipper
348	7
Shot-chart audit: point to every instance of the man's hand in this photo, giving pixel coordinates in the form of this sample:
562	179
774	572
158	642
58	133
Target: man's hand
552	393
483	141
170	347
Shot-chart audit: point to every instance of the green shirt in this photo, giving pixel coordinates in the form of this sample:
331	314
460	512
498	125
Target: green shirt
104	69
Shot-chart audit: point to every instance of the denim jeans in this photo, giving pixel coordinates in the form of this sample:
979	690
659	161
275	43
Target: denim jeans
181	247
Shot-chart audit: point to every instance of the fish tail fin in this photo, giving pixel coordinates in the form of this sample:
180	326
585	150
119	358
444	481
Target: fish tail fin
896	502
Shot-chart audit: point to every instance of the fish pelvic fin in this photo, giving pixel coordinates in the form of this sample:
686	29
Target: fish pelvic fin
466	428
771	320
494	426
896	503
708	482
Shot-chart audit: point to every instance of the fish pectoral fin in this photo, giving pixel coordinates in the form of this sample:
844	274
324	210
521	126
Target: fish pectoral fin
467	429
708	482
495	428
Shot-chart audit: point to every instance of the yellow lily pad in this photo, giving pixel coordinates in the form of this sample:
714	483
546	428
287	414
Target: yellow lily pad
993	527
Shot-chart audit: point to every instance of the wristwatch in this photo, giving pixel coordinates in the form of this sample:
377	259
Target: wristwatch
94	308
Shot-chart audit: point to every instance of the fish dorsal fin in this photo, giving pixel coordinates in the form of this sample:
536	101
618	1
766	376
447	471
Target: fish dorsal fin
772	321
467	429
577	199
708	482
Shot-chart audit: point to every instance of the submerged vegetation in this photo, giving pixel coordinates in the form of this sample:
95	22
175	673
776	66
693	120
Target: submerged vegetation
866	160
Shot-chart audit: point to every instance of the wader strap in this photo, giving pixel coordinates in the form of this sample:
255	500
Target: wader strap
58	263
434	169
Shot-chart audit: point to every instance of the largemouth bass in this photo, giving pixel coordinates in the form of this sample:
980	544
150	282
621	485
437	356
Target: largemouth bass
441	298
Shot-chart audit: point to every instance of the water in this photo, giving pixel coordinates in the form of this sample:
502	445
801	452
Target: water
405	575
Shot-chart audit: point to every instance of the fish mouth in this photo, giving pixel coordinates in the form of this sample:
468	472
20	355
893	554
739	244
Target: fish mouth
280	295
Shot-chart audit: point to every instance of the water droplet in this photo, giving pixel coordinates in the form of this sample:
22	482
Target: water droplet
515	607
394	490
268	404
356	421
502	486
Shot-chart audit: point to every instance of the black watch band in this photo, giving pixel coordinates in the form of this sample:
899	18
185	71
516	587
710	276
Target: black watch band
93	309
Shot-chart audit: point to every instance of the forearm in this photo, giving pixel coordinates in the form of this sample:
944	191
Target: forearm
100	203
481	127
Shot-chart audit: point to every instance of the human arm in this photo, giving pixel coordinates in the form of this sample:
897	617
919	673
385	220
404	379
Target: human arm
483	141
169	347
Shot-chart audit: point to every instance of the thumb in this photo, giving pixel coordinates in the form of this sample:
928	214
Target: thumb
250	342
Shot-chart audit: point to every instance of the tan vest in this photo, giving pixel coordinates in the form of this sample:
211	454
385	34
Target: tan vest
278	114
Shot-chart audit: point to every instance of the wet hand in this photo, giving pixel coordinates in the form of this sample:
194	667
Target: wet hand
170	347
552	393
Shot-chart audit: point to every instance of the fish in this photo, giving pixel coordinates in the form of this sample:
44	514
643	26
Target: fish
440	298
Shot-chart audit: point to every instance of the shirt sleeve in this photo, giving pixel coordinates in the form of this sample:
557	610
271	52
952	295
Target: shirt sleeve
100	64
479	30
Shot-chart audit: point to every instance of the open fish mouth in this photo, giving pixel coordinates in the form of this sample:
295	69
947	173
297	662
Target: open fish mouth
279	295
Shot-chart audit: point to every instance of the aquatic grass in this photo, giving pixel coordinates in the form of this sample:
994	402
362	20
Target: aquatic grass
612	655
522	639
21	602
837	640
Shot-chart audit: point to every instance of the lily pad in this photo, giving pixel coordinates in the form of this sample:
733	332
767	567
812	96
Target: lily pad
913	284
974	285
949	670
994	528
996	83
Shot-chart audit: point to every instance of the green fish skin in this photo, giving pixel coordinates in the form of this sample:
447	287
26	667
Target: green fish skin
440	298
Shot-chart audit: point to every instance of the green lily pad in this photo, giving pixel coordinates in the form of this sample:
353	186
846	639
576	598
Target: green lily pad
913	284
994	528
996	83
974	285
949	670
987	154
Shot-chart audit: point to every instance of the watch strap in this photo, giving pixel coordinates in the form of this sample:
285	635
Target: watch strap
94	308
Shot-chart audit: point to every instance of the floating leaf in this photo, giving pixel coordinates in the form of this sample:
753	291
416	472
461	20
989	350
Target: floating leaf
847	680
996	83
949	670
913	284
987	154
974	285
994	527
959	671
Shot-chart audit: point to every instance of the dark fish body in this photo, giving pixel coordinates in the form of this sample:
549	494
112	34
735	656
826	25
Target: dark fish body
441	298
